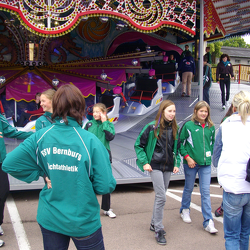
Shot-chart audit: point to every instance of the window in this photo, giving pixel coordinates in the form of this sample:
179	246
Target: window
248	62
237	61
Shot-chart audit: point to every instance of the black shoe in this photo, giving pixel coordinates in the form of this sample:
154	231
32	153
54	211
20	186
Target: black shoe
160	238
152	228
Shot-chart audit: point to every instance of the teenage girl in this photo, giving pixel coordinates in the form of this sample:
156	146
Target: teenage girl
46	103
46	120
196	146
156	150
105	132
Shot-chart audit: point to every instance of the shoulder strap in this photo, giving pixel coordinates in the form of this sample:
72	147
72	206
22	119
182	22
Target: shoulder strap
49	119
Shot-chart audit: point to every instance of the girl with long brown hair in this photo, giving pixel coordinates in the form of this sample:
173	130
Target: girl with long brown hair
156	150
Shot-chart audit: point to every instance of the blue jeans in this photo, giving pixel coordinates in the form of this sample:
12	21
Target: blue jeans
56	241
236	220
204	173
206	95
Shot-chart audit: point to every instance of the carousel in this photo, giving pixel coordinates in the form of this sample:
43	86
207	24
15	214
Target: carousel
116	52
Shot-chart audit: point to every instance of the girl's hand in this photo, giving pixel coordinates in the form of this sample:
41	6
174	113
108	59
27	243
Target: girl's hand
191	163
103	117
48	182
147	167
175	170
1	135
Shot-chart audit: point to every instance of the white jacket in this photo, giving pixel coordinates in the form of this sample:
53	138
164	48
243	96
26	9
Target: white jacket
235	152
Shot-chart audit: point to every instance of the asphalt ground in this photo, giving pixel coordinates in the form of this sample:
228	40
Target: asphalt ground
133	205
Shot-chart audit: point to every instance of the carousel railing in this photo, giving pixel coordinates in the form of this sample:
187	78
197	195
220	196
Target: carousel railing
241	73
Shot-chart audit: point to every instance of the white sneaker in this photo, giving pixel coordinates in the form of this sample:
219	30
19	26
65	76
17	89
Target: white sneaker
185	215
110	213
210	227
1	243
223	107
1	231
227	104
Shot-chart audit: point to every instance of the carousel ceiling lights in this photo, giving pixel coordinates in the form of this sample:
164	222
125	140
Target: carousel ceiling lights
55	81
2	80
103	75
134	62
103	19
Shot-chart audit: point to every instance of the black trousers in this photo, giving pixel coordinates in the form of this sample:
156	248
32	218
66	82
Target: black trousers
105	202
23	119
223	83
4	191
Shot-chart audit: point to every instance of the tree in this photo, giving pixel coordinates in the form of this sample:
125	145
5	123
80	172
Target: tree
215	47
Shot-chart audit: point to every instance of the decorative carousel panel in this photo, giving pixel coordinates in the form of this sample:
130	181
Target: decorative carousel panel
57	17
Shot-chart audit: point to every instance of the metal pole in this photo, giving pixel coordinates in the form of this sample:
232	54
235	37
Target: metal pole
201	45
49	12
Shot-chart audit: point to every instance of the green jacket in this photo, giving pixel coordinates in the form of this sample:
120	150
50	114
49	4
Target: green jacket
11	132
43	121
78	166
104	131
197	142
145	153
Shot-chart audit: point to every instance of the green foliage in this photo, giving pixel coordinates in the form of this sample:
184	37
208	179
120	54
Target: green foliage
215	47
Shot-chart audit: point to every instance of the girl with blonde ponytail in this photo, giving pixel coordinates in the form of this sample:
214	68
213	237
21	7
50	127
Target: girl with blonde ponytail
231	154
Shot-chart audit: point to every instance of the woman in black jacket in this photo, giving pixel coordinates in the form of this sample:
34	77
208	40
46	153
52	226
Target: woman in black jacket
223	72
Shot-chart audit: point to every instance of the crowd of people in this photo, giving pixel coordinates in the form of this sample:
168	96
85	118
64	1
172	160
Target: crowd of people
77	166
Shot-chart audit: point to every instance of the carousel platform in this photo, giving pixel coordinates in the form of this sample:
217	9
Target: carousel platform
128	128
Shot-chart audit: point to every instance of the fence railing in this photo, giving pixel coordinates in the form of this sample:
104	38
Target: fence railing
241	73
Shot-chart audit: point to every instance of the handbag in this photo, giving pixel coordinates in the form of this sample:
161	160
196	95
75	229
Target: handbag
248	171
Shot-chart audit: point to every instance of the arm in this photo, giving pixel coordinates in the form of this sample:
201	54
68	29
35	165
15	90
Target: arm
109	130
21	162
34	112
38	124
101	176
11	132
217	148
217	72
140	145
231	71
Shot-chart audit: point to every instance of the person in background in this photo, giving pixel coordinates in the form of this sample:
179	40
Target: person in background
33	115
187	68
78	166
196	147
156	150
223	72
46	104
207	80
231	156
45	120
209	57
104	130
184	52
219	211
6	130
171	59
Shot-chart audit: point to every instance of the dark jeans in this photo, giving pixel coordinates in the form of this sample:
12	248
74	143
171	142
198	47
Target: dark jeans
223	83
24	117
56	241
4	191
206	95
105	202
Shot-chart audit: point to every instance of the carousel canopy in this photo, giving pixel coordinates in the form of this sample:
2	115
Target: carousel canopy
56	18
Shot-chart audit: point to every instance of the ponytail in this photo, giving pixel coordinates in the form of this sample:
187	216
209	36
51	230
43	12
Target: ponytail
241	102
